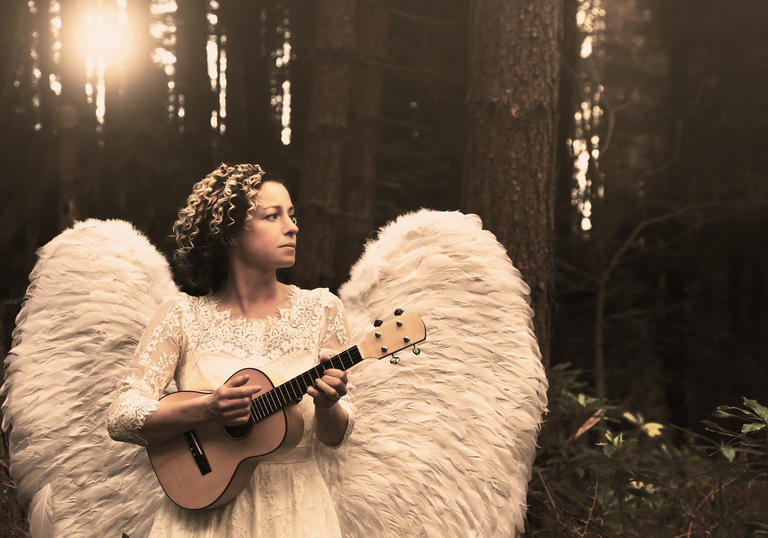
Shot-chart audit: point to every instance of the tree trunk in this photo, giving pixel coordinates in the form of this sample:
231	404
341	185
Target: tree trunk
76	121
327	137
194	85
510	159
567	221
356	220
252	134
598	359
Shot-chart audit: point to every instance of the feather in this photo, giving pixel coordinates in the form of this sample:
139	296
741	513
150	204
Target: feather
41	514
444	441
91	293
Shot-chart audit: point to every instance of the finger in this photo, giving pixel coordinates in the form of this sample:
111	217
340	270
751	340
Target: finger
333	381
238	421
239	392
229	405
319	394
336	384
237	381
326	389
335	378
340	374
239	414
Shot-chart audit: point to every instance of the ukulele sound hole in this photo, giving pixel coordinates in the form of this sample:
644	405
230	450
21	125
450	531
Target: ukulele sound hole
238	432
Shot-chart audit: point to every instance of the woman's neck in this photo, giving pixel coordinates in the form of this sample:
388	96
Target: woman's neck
251	292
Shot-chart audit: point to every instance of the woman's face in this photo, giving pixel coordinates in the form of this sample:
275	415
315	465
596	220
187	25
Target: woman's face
268	238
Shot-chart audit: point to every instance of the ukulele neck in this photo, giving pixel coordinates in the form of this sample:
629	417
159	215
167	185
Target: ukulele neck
292	390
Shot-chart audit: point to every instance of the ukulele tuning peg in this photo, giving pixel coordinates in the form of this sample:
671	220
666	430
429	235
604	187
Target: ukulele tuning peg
399	323
398	312
416	350
383	349
406	339
377	334
394	360
377	323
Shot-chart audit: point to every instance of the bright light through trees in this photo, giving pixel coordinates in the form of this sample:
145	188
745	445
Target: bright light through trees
104	34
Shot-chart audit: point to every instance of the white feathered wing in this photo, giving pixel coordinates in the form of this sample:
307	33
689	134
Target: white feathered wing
444	441
91	293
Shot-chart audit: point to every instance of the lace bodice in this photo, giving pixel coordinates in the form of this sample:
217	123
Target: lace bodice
197	343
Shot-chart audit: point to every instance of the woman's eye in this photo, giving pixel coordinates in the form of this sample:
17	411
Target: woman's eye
272	216
294	219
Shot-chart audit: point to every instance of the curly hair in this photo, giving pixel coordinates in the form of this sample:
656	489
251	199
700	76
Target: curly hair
215	213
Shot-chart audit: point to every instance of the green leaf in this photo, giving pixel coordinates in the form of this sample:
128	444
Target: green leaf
761	410
722	411
653	429
716	428
634	419
729	452
752	427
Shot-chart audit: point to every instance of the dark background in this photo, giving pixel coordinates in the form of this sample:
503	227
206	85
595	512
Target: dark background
654	204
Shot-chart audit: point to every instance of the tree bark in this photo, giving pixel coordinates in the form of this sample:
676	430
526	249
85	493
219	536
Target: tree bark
356	220
512	126
193	83
327	135
252	133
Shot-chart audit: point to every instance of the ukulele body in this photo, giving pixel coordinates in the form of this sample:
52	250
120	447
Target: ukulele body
208	466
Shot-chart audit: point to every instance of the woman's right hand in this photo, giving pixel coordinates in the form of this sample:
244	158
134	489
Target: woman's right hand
230	404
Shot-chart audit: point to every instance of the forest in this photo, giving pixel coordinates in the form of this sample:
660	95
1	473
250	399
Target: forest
614	147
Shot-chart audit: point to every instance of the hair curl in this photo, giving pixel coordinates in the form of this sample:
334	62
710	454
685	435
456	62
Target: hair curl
215	213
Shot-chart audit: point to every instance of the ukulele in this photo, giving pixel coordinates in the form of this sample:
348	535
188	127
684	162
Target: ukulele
208	466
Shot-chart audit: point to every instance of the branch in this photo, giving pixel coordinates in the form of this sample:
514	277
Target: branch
675	156
565	265
552	502
642	226
591	509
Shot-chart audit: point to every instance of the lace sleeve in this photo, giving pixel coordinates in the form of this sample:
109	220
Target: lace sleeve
334	340
150	372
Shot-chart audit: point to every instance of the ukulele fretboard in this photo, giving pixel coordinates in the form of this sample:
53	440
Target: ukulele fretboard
292	390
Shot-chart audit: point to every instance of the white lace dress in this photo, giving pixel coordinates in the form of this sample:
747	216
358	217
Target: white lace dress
197	343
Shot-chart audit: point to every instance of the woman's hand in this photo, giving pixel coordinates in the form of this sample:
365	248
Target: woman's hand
230	404
329	388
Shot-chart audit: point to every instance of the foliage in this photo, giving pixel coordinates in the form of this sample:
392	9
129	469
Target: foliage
746	446
604	471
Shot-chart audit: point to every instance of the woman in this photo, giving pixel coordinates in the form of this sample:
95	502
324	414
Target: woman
236	230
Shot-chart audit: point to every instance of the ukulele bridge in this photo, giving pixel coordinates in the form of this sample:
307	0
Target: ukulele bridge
197	452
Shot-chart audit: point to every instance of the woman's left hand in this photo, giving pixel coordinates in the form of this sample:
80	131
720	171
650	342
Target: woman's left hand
329	388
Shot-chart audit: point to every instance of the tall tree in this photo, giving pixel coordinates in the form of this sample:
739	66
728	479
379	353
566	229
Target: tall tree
512	127
327	134
251	30
194	85
76	120
356	220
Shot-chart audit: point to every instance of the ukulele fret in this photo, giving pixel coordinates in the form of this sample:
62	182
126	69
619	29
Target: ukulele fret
292	390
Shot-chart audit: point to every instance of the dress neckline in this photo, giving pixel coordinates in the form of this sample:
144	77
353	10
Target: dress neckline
225	313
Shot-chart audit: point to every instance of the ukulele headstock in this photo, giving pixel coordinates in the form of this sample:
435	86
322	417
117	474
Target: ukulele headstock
406	330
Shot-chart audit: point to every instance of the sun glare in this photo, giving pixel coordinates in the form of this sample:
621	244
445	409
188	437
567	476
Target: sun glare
104	42
104	34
